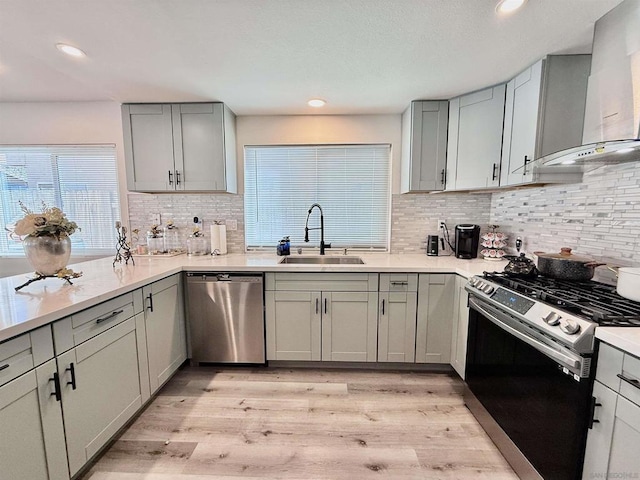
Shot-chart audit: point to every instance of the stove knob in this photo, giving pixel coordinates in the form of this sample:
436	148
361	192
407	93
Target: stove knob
474	281
570	327
487	288
552	318
480	285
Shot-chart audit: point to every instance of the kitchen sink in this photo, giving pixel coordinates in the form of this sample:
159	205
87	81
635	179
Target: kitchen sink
322	260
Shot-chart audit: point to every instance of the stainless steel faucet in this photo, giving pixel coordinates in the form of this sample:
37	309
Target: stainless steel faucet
321	228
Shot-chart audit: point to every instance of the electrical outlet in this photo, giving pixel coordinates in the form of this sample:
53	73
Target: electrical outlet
154	218
232	224
441	225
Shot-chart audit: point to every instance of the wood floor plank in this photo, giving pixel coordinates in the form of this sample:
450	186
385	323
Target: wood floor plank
212	423
308	462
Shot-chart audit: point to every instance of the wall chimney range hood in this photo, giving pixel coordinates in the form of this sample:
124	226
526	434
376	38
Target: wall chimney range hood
612	110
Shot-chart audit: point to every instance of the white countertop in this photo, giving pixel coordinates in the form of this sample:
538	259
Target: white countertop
624	338
51	299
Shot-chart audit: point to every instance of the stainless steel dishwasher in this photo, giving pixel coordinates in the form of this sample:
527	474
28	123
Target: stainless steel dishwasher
226	317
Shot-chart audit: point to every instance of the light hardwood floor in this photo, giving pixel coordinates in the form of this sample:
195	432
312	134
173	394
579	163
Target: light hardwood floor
239	423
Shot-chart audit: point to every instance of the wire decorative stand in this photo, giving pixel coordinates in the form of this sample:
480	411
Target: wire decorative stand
63	274
123	247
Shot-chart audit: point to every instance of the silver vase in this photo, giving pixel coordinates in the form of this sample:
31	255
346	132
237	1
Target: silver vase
47	255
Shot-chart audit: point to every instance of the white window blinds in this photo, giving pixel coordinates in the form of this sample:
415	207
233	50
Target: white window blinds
81	180
350	182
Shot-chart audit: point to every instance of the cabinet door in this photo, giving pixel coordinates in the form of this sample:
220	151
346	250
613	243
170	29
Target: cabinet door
424	161
32	441
101	390
596	457
475	139
198	130
624	458
293	322
435	318
521	124
397	326
349	326
460	327
148	146
165	329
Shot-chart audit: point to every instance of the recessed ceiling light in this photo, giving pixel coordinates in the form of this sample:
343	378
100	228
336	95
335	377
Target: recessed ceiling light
316	102
70	50
508	6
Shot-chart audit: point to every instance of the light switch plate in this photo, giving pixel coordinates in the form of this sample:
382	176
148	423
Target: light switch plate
154	218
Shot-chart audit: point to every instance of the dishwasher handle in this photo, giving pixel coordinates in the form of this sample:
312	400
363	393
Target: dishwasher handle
223	277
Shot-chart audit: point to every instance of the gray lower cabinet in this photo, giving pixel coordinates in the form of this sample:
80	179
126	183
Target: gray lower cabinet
32	444
179	147
424	146
101	389
321	316
475	139
435	313
544	113
612	442
460	326
164	324
398	300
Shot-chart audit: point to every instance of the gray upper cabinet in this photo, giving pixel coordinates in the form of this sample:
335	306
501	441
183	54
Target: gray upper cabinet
424	146
475	139
180	147
544	113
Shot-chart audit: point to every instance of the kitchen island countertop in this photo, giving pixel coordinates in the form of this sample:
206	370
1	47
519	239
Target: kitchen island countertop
51	299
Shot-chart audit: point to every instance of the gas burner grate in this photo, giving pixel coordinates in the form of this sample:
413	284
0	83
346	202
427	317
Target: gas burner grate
592	300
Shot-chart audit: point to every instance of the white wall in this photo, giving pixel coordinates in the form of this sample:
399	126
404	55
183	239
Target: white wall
317	130
62	123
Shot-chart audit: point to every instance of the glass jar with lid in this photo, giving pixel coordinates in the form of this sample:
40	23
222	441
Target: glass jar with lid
197	243
172	239
155	240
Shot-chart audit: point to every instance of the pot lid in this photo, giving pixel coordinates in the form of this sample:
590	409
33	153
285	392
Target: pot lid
565	254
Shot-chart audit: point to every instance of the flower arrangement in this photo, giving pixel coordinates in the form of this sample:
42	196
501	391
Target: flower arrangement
50	222
196	232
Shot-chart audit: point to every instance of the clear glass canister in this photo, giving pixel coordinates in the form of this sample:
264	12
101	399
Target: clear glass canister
172	240
197	245
155	242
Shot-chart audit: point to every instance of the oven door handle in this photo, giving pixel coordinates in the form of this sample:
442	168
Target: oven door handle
559	357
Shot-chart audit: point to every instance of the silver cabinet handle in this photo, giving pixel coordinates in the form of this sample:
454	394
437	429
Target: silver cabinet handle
109	317
631	381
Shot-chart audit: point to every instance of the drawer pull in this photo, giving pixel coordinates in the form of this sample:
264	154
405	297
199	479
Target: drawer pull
317	301
4	366
594	404
383	306
630	381
72	369
400	283
325	305
56	387
109	317
150	307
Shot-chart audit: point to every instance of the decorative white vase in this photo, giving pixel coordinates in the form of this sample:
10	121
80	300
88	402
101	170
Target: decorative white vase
47	255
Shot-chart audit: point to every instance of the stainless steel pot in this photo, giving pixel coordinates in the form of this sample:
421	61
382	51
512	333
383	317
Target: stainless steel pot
566	265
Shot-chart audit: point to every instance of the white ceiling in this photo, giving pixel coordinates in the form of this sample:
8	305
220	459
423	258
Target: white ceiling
271	56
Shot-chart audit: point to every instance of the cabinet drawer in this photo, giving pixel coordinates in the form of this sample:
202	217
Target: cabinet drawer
21	354
630	384
82	326
335	282
398	282
609	366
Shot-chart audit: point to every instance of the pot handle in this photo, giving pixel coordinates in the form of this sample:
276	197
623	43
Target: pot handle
594	264
614	270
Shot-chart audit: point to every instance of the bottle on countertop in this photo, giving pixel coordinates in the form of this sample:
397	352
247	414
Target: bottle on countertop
284	247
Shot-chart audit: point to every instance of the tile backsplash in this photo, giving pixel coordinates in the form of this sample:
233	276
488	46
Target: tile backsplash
599	217
414	216
181	208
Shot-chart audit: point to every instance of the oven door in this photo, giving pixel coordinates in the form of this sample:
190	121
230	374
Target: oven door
528	391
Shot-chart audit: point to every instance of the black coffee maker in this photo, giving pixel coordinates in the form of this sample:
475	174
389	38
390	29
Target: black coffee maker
467	240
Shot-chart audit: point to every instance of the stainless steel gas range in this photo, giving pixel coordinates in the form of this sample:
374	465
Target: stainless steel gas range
530	365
